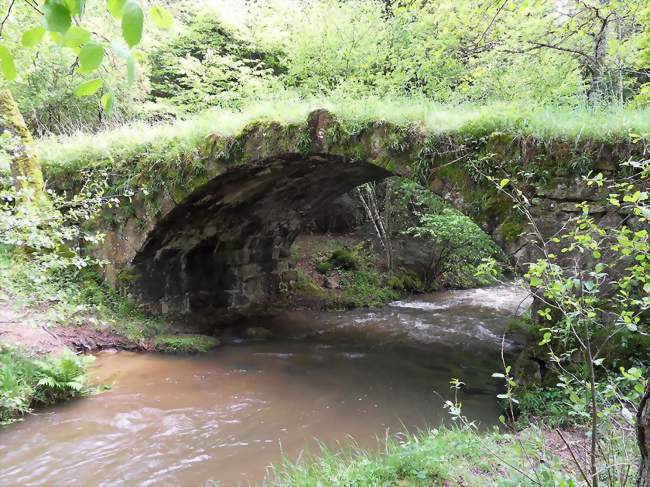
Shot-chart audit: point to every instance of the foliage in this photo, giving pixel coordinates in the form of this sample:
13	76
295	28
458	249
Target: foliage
208	65
457	50
185	343
26	381
437	457
591	283
457	244
45	259
366	288
48	35
345	259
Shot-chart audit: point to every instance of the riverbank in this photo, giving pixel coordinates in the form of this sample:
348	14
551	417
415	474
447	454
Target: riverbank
347	378
448	456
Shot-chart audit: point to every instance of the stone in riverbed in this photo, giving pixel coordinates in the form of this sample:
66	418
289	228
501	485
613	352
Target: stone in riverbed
257	333
185	343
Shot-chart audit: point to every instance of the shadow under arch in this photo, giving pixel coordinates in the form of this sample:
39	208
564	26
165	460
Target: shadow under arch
222	251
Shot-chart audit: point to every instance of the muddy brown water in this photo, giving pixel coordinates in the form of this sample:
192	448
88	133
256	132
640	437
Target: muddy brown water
223	418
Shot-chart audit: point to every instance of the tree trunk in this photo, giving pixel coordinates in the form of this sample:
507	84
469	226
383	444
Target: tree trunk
643	437
18	143
596	89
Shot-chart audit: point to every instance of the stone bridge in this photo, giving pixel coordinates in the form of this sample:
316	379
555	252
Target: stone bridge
212	236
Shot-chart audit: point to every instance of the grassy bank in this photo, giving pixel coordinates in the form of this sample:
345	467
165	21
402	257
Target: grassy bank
440	457
27	381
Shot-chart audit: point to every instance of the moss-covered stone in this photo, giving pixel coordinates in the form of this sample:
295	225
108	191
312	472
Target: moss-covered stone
185	343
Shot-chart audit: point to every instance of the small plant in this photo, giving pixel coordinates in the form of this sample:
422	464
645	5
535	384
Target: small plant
325	267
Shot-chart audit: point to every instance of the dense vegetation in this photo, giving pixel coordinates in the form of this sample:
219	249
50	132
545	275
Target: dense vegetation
114	101
27	381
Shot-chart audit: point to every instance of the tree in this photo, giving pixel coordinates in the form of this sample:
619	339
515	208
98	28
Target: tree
587	303
18	143
62	21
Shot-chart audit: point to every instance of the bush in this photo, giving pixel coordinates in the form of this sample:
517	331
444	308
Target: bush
365	289
324	267
345	259
26	381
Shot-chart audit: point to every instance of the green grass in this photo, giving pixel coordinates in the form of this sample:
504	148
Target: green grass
185	343
178	141
446	456
27	381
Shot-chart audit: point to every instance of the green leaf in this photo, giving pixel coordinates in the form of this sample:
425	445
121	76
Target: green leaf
90	57
56	17
132	22
161	17
108	100
128	57
503	183
115	7
88	88
75	7
75	37
7	65
33	36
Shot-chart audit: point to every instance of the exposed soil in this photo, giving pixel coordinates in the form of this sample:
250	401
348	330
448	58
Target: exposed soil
30	328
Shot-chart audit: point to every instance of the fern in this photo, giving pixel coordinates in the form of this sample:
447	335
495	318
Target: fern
27	381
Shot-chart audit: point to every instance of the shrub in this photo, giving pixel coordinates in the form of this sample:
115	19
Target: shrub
365	289
345	259
324	267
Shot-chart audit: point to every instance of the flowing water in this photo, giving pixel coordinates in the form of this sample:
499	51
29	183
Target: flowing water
223	417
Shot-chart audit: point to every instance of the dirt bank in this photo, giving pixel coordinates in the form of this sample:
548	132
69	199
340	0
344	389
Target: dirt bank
32	329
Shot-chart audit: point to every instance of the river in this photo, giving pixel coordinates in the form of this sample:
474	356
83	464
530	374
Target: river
222	418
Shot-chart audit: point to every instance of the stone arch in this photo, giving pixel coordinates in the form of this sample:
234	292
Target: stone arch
215	233
223	249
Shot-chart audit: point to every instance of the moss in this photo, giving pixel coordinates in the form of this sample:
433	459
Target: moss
324	267
366	289
25	164
185	343
345	259
511	229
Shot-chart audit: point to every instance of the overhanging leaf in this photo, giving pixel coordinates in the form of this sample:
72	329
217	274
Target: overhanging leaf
115	7
33	36
90	57
128	58
56	17
75	37
7	65
108	100
88	88
161	17
132	22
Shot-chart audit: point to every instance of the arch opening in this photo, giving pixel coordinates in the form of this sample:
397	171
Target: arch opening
222	252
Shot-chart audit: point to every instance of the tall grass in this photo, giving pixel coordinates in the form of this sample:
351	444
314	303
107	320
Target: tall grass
446	456
173	140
